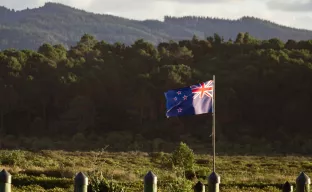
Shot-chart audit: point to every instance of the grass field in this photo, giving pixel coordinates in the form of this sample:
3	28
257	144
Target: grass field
55	170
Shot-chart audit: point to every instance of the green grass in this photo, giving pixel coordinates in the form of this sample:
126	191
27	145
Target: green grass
55	170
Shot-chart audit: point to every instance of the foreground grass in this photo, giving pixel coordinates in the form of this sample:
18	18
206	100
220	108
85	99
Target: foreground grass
54	171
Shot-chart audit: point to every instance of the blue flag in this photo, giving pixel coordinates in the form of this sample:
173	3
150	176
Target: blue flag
192	100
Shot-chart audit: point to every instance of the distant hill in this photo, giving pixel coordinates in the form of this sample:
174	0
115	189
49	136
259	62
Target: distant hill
56	23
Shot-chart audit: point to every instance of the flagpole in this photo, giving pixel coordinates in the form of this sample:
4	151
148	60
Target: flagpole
214	124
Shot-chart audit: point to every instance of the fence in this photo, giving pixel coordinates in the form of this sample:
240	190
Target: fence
150	183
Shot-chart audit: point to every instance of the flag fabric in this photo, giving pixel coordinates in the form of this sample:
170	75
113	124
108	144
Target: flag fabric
193	100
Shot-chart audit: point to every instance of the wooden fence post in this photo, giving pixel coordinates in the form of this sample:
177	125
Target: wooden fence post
199	187
287	187
5	181
303	183
213	182
150	182
81	183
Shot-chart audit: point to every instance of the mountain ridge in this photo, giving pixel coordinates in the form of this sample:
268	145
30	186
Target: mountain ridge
57	23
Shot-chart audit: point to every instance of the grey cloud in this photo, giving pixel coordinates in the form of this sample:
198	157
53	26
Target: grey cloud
294	6
203	1
103	4
17	4
89	5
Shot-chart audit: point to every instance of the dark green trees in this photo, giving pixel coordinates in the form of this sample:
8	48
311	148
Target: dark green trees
264	88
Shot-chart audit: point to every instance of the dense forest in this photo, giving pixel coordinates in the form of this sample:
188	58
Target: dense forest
98	93
59	24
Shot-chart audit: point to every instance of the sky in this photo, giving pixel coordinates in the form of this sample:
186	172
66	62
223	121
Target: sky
294	13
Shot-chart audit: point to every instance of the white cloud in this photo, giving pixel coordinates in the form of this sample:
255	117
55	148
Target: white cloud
303	22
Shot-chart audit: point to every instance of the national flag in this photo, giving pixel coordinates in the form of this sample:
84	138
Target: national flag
193	100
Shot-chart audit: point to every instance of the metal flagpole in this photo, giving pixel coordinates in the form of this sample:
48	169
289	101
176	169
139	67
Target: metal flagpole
214	124
214	178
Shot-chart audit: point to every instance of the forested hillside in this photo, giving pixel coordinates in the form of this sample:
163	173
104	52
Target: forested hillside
56	23
114	94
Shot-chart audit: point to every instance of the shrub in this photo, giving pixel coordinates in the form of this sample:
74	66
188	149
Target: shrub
99	184
162	158
179	185
183	157
13	157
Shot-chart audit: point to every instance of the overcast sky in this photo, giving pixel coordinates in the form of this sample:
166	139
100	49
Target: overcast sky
295	13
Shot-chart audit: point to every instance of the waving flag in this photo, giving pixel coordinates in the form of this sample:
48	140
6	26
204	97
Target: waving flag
192	100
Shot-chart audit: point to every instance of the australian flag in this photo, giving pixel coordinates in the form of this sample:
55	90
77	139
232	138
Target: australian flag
192	100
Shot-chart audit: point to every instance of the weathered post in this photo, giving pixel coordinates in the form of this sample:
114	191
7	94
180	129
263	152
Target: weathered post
287	187
199	187
150	182
81	183
303	183
213	182
5	181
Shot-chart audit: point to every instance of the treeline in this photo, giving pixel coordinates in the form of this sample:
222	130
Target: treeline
116	92
55	23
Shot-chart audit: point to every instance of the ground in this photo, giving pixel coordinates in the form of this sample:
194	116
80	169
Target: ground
55	170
